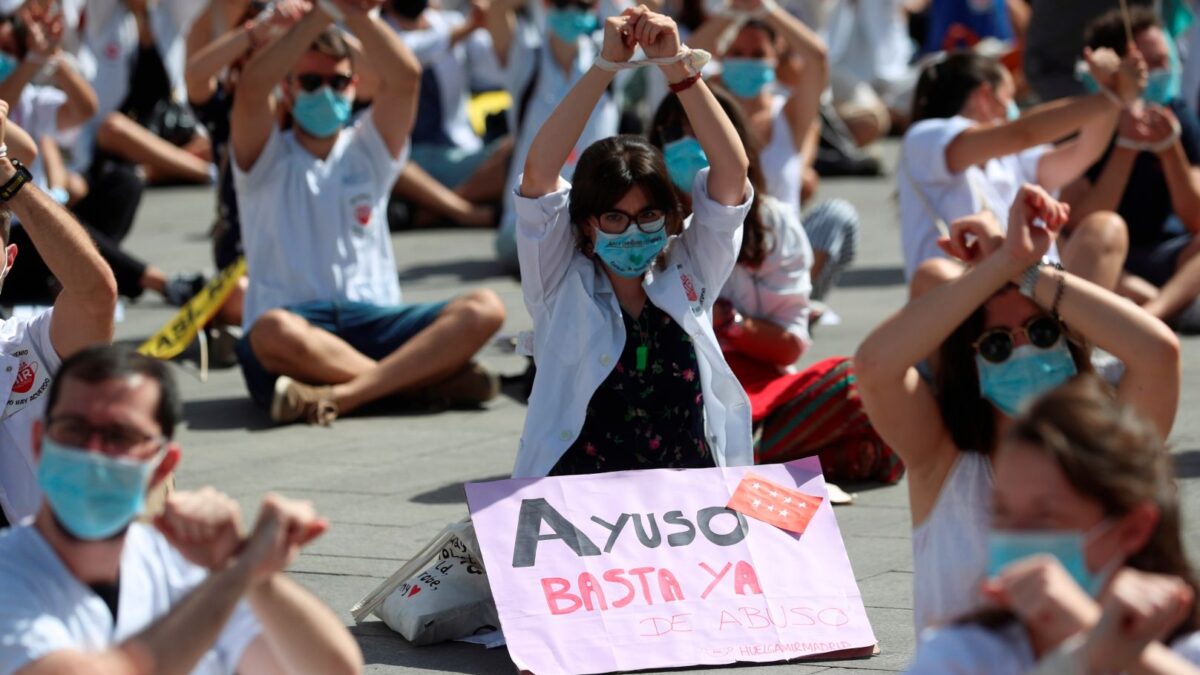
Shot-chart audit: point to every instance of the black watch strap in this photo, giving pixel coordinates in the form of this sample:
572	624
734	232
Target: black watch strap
18	181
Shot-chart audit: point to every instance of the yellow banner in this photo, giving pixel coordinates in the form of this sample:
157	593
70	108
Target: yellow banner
178	333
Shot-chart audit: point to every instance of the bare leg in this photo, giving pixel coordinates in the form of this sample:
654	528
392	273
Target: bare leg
417	186
487	183
288	345
809	184
1136	289
154	279
1096	248
230	313
933	273
1182	288
125	138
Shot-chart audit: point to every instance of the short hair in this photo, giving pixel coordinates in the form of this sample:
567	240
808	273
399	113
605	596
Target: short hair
108	362
331	43
5	226
1108	29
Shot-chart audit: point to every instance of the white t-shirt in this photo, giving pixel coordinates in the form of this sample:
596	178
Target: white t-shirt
37	113
28	363
470	64
44	608
1007	651
992	186
316	229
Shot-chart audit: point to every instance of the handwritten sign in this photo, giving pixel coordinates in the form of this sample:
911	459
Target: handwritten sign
650	569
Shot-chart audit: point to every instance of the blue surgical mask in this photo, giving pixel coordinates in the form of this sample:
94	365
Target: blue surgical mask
92	495
746	78
8	64
1163	85
632	252
1026	374
685	158
571	24
1012	112
1068	546
321	113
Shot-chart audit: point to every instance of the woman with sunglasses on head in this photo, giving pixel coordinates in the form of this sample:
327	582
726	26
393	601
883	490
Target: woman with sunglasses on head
762	319
1087	565
970	149
630	374
1004	332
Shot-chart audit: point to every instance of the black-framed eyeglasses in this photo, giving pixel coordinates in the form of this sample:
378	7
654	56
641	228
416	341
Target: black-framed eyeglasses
997	345
314	81
115	439
647	220
581	5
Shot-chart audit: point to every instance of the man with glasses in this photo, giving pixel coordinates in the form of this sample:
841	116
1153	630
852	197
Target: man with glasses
326	330
85	589
32	348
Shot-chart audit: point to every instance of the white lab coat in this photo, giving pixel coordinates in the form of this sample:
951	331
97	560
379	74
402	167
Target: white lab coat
579	332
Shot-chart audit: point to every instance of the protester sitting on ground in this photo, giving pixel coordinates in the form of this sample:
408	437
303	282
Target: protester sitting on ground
630	374
29	43
139	58
219	46
762	322
541	63
1054	41
31	349
84	588
1086	557
325	329
1005	331
970	149
457	58
783	122
1148	176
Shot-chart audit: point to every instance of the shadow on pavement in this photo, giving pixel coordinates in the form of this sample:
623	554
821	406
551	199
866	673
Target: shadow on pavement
463	270
451	493
1187	464
220	414
857	277
381	646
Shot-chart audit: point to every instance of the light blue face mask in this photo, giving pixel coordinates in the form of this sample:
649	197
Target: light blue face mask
321	113
685	158
1012	112
1163	85
92	495
1068	546
746	78
571	24
632	252
8	64
1026	374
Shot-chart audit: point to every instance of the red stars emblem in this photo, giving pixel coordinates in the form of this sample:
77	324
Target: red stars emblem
26	374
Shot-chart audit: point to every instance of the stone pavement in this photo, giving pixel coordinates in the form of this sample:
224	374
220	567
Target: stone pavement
389	483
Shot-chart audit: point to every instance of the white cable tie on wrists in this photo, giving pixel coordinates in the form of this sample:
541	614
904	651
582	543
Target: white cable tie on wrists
331	9
1112	96
696	59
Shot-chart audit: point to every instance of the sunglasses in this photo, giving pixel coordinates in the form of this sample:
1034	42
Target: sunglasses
997	345
311	81
647	220
578	4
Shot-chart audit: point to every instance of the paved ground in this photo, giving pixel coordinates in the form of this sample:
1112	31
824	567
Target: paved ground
390	482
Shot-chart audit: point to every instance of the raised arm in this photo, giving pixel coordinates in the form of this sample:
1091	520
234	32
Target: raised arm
252	121
208	57
500	19
1183	179
814	76
399	72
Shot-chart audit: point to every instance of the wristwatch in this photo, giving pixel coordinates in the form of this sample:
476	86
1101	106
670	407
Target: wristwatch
1029	277
18	181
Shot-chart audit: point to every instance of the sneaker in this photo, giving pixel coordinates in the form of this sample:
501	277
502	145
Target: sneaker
294	401
470	386
222	343
183	287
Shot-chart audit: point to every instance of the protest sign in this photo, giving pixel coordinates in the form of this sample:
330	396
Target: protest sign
650	569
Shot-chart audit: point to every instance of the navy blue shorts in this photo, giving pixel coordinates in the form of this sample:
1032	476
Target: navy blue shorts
373	330
1157	262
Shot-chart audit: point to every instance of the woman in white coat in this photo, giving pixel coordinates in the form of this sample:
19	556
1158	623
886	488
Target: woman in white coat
630	374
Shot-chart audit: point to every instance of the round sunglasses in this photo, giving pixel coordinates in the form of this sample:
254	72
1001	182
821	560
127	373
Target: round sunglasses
997	345
311	82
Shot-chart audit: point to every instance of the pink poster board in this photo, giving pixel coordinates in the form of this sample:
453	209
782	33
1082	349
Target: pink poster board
648	569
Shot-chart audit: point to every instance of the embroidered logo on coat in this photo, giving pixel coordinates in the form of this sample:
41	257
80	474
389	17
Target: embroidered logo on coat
25	377
32	381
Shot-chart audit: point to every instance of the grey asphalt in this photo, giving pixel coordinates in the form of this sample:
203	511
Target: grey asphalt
390	481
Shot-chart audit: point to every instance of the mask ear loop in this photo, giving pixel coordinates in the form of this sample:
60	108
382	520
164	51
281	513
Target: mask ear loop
1110	568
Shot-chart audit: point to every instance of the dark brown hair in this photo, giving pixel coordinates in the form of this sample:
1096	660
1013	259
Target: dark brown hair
331	43
102	363
947	83
968	416
5	226
609	169
1108	29
667	126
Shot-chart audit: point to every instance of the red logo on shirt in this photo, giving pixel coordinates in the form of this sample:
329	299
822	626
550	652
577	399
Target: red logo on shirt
112	50
362	213
26	374
688	287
